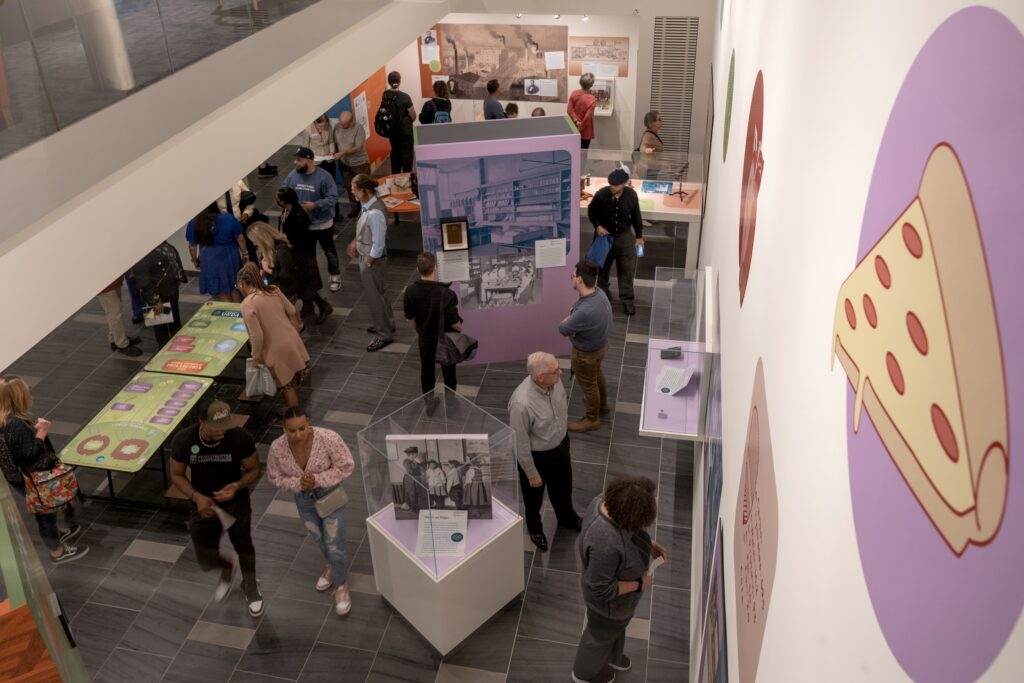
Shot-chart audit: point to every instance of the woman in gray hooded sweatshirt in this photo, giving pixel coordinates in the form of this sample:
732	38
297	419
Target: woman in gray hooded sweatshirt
615	551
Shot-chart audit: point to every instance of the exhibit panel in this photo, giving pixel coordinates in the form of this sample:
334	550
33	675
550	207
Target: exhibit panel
498	207
442	493
679	353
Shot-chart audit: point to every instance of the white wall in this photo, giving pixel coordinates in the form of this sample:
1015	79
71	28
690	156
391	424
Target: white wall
612	131
832	72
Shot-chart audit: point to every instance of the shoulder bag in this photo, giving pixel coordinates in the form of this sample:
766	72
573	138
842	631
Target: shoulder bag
452	347
51	486
328	504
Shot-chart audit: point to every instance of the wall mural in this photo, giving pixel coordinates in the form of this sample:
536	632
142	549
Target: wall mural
753	168
925	326
472	54
728	105
756	534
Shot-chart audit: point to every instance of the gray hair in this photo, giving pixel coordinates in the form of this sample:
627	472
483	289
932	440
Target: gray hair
586	80
537	363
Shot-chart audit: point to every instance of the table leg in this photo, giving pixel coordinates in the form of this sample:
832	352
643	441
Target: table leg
692	244
110	485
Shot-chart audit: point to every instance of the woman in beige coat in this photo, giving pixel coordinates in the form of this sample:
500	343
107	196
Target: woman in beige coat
273	326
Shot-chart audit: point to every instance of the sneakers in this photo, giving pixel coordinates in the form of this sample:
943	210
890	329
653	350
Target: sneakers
342	601
335	283
377	344
606	675
253	599
130	351
584	425
623	664
69	533
324	582
227	579
70	553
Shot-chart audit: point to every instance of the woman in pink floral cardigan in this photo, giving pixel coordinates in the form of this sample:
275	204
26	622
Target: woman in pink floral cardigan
311	462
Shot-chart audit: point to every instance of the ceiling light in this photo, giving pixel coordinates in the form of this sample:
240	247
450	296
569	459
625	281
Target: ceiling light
558	16
586	17
519	15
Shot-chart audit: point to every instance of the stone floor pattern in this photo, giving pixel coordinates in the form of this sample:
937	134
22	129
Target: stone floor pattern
142	610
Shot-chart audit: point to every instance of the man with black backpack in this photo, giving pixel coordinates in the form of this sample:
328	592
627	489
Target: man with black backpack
394	121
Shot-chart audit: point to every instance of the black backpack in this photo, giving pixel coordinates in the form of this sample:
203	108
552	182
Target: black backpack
10	469
387	122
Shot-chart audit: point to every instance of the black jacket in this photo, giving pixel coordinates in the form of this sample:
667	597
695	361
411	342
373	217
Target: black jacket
434	104
616	215
421	303
159	274
285	275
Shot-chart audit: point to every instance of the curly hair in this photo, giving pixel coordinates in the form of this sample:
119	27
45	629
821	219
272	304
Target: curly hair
631	502
252	277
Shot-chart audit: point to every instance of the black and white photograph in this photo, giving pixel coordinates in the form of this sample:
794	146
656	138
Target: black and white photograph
502	281
442	472
509	201
472	54
455	233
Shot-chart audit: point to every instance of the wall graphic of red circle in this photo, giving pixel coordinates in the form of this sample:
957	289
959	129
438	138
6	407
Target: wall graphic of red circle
753	167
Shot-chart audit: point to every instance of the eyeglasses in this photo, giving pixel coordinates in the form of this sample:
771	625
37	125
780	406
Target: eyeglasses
556	371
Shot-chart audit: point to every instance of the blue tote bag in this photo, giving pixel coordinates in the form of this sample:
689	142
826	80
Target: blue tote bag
599	250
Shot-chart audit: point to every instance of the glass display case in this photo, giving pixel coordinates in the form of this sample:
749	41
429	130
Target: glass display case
669	185
680	348
37	642
442	493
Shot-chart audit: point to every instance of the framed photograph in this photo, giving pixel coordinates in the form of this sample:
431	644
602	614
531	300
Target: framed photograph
454	234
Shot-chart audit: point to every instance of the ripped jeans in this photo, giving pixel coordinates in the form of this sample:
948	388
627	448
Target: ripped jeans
329	533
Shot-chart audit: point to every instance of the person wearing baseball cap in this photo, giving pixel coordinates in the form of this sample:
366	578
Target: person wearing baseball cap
318	197
615	211
224	464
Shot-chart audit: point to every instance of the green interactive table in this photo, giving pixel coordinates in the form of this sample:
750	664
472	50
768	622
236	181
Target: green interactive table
206	344
135	423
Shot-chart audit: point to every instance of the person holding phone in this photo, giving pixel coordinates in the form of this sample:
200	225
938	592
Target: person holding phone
615	552
223	465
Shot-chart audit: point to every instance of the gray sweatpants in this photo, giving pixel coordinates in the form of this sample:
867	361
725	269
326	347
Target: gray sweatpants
602	642
375	292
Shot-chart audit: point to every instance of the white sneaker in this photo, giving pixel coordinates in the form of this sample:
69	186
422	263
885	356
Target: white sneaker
324	582
224	586
335	283
253	600
343	601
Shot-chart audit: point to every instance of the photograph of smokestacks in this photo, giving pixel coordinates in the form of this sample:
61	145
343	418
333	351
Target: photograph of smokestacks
473	54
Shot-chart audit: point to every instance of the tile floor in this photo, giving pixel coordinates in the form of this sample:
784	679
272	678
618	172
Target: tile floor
142	610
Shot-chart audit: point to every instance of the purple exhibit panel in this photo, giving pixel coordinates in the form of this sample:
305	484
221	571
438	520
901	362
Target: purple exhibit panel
672	413
509	305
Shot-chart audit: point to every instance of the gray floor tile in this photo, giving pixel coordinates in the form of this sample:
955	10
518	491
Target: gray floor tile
488	649
74	583
202	662
554	606
404	656
362	628
450	673
167	619
105	626
151	550
675	498
222	635
633	461
126	666
131	583
541	661
284	638
677	542
333	664
661	671
670	625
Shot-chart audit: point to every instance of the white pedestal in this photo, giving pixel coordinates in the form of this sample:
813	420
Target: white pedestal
448	598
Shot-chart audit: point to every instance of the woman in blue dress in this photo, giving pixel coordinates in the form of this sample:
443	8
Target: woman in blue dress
217	245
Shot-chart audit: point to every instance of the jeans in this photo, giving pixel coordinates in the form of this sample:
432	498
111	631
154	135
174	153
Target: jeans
602	642
586	366
623	254
206	532
555	469
329	532
325	238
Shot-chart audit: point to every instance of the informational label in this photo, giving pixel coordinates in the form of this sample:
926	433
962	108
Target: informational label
601	70
206	343
541	87
550	253
362	117
442	532
554	60
429	49
453	266
134	424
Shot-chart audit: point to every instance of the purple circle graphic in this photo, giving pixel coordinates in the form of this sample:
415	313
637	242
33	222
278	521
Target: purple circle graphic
947	618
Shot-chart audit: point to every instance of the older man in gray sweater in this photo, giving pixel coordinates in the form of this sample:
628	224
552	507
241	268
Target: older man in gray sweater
538	412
